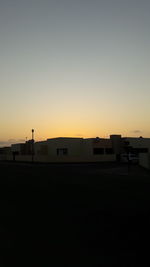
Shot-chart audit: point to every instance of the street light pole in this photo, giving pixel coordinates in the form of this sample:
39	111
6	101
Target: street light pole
32	145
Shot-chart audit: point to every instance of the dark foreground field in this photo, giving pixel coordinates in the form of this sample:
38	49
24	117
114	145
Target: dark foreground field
74	215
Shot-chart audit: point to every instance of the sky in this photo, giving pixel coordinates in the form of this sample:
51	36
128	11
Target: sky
78	68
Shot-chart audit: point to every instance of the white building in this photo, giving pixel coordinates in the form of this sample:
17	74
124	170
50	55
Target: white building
65	149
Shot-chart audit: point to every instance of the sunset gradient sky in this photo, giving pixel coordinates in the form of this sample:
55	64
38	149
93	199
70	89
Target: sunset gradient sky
74	68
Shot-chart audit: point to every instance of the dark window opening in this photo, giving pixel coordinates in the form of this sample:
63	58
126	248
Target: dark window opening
109	151
98	151
62	151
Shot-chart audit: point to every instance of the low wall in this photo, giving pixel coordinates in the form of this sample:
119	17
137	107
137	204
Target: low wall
59	159
144	160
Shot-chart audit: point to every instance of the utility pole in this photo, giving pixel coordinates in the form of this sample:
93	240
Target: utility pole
32	145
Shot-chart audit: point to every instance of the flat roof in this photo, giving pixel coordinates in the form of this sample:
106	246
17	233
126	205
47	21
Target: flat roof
64	138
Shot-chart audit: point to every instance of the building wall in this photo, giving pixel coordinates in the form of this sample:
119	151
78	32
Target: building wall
73	146
17	148
139	142
6	157
74	149
55	159
22	148
116	143
89	145
144	160
78	150
41	148
133	145
5	150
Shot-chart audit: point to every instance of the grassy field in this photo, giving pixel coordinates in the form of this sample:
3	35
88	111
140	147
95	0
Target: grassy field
75	214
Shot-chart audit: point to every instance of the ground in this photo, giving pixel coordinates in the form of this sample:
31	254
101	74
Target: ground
75	214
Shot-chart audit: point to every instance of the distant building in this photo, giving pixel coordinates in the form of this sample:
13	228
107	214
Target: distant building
5	153
5	150
132	145
65	149
22	148
137	145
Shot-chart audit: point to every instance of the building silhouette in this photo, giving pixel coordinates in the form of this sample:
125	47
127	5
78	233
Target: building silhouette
65	149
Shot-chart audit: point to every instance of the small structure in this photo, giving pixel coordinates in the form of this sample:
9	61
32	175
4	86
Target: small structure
21	149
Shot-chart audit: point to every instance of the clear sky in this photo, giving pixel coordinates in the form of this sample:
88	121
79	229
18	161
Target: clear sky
74	68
